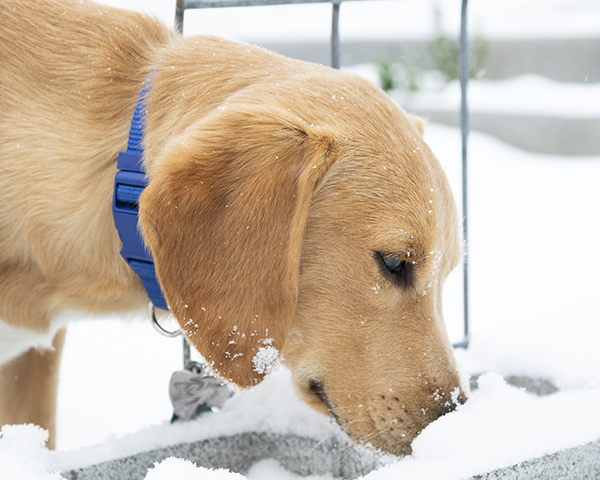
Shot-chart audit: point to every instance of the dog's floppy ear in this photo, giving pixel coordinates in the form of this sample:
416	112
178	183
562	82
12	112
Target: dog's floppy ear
224	217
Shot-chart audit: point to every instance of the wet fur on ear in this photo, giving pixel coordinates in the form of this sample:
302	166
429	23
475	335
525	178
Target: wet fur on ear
224	216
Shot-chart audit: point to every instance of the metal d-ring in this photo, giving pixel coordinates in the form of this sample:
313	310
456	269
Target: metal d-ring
159	328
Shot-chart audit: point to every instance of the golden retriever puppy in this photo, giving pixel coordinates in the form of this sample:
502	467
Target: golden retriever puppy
291	209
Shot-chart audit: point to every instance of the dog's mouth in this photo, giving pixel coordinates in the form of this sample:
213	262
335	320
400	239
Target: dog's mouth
318	390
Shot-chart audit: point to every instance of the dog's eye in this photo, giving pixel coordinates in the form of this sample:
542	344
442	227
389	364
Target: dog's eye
394	264
396	269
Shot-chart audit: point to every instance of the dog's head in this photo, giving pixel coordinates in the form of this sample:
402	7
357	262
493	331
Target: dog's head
319	225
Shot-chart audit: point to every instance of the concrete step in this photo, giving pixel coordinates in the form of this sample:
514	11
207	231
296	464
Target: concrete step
307	457
580	463
237	453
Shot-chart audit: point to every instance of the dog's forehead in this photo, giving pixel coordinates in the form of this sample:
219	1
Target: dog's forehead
393	194
398	175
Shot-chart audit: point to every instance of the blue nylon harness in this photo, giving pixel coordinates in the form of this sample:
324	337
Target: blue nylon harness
130	182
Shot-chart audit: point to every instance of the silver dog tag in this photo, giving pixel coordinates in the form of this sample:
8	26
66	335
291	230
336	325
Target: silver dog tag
194	391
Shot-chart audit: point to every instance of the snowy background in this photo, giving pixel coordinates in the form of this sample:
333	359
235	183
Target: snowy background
535	289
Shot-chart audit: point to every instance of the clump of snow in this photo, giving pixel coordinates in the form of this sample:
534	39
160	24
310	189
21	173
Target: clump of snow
266	359
272	470
180	469
23	455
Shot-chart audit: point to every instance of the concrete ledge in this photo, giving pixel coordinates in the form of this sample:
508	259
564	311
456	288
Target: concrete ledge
238	453
580	463
306	457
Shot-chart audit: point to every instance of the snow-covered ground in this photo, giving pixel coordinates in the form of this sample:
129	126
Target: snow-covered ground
535	293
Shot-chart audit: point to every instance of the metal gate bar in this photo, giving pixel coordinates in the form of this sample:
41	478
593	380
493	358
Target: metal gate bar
183	5
463	65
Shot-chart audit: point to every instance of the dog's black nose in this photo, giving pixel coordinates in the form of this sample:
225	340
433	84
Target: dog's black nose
448	407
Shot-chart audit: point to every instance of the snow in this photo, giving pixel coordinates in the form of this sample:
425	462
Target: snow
534	258
525	95
22	453
185	470
266	359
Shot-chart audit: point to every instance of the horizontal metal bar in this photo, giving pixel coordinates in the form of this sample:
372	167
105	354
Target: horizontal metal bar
464	343
187	4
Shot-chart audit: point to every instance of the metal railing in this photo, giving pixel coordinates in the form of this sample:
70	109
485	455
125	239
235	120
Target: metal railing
183	5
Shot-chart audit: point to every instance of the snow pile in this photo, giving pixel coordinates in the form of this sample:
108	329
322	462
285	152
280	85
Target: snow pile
23	455
525	94
185	470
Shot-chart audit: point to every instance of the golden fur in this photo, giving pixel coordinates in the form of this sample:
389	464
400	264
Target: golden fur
275	186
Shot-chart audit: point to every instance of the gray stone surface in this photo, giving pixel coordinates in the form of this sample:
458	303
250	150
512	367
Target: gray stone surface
536	386
238	453
308	457
580	463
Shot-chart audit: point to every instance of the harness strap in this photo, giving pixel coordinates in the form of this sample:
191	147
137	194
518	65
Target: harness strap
130	182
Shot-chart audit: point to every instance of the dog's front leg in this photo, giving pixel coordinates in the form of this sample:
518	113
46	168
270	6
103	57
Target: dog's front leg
29	386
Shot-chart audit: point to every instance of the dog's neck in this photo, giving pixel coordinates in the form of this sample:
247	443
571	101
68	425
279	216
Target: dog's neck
130	182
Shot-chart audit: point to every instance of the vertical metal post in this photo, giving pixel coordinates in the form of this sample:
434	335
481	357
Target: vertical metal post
179	9
335	34
464	127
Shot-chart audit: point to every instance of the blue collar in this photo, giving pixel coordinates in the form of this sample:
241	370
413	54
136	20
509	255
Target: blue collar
130	182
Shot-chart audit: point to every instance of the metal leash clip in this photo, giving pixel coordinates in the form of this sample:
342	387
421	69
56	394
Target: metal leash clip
194	391
156	324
